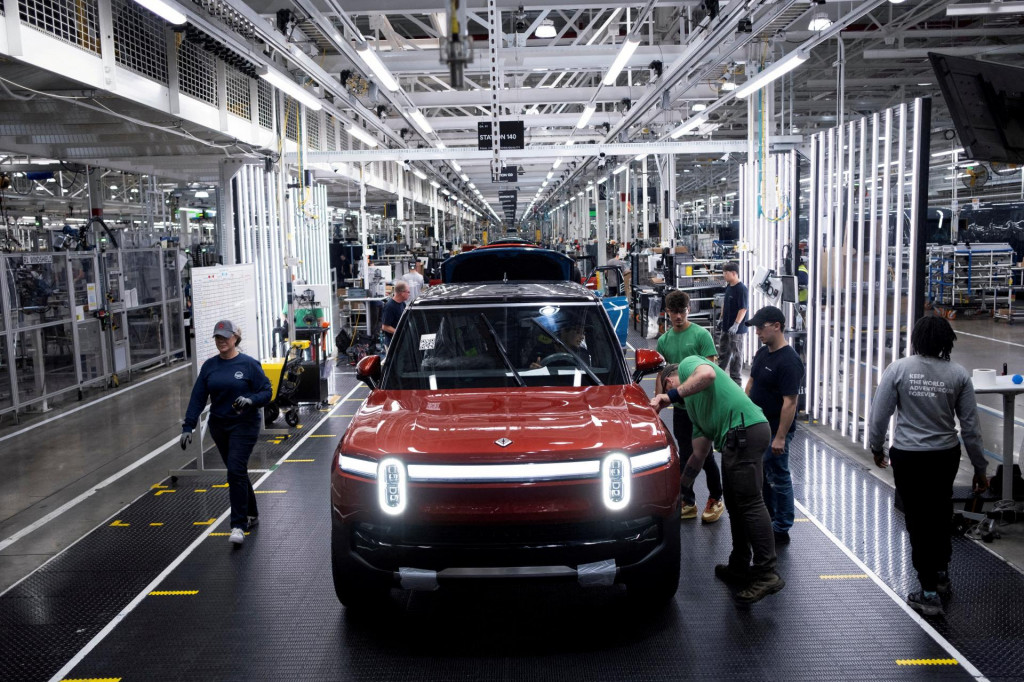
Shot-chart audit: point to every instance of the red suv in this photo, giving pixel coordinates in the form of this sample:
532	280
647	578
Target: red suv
505	438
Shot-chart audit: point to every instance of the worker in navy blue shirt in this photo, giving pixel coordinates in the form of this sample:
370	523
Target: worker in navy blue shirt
776	375
393	310
734	322
237	387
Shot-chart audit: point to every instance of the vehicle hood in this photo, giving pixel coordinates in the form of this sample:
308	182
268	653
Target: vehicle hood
462	426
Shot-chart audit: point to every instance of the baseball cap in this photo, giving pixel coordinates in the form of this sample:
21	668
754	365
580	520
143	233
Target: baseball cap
225	328
767	314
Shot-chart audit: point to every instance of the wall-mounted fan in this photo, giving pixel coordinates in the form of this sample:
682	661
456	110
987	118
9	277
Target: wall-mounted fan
974	177
1004	169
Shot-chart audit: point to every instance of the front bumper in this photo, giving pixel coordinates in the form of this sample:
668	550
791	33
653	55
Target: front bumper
423	557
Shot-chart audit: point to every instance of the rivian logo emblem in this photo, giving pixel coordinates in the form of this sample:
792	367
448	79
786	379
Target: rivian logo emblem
503	442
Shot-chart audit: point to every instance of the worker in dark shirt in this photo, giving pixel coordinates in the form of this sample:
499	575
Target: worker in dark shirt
776	375
734	322
393	310
236	387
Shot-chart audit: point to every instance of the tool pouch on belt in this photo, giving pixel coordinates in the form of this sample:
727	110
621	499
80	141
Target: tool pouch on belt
736	438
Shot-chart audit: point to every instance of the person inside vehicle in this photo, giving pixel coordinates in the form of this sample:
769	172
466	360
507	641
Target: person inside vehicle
570	332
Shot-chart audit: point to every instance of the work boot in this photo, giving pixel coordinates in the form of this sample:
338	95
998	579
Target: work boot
760	587
688	511
713	511
924	604
732	575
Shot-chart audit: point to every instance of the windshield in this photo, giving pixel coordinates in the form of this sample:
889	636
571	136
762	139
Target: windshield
504	346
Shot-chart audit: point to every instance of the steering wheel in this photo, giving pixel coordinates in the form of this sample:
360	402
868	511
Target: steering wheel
558	358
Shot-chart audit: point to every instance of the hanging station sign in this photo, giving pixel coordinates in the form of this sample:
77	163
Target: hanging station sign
513	135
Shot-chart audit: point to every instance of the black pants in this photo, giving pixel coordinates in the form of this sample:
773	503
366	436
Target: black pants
682	429
235	443
743	476
924	481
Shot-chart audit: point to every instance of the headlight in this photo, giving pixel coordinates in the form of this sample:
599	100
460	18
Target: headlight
616	480
391	486
360	467
650	460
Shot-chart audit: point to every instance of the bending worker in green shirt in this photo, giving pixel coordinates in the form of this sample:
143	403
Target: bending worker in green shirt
681	341
723	414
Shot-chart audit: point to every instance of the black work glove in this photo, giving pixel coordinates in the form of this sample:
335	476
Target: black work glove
881	459
186	439
241	403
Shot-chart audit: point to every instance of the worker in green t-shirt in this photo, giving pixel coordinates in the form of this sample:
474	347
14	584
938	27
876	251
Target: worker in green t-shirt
723	415
682	340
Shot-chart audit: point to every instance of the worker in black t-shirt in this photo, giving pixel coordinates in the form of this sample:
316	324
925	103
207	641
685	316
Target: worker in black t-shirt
734	322
776	375
393	310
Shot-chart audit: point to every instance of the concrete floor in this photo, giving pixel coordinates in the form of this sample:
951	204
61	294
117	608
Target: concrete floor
70	469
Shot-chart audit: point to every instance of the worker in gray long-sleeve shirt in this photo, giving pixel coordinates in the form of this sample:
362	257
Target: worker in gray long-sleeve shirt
926	390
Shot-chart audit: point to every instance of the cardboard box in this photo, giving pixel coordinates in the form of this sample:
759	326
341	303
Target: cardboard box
682	249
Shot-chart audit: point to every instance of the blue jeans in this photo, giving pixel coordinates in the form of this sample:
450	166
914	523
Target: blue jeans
235	443
778	488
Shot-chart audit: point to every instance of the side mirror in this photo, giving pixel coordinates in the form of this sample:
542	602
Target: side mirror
368	371
647	362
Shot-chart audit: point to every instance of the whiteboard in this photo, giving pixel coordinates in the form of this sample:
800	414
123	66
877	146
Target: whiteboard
224	292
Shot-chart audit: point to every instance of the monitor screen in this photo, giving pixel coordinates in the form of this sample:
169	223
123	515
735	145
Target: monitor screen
986	102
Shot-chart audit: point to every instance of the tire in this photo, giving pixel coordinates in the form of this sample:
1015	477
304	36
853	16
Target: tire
291	417
657	585
354	587
270	414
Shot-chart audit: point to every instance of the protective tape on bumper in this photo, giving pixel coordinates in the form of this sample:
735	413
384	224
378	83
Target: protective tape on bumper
417	579
596	574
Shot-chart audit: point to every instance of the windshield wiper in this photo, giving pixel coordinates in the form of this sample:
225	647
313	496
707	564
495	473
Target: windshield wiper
501	350
579	361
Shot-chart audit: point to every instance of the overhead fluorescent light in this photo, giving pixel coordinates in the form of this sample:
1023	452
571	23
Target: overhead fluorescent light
588	111
164	11
640	157
370	58
551	174
435	184
819	22
439	144
557	163
625	52
776	70
728	86
419	174
546	29
456	166
986	8
420	120
361	135
620	168
688	126
949	152
699	106
544	184
285	84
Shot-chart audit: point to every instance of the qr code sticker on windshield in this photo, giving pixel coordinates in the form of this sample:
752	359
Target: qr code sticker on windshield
427	341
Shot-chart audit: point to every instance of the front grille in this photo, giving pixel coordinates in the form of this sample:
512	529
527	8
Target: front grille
503	536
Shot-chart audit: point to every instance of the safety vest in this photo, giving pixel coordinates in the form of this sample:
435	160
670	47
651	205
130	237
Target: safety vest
802	293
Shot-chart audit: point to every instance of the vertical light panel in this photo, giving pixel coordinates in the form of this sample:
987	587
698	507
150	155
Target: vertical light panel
846	366
859	325
898	179
859	328
832	251
813	345
874	285
883	250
